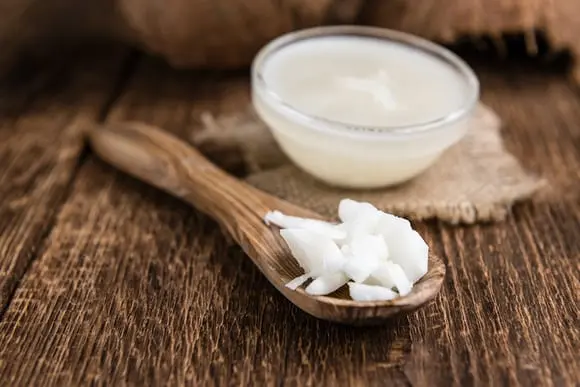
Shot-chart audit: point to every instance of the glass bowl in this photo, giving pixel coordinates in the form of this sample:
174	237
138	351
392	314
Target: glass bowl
361	156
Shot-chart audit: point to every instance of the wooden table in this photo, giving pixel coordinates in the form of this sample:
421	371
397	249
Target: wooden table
105	280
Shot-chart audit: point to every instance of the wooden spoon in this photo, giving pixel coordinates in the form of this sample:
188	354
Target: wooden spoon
163	161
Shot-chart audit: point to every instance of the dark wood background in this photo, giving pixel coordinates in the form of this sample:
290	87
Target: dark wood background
105	280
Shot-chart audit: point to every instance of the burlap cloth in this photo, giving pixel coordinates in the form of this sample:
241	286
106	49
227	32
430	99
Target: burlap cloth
477	180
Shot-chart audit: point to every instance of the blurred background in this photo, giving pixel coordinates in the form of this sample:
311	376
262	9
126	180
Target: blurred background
227	33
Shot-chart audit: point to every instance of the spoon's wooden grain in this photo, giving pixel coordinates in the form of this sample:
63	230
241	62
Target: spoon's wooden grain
170	164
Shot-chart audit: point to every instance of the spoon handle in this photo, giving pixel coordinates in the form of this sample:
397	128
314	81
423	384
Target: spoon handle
160	159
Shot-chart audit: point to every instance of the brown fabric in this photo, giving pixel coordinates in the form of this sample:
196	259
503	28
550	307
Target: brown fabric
187	33
449	20
224	33
227	33
45	29
476	180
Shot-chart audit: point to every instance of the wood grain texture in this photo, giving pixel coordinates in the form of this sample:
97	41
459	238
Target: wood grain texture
134	287
41	117
162	160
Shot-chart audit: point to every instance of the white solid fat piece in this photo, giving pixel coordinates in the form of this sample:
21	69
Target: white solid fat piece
370	245
363	292
380	252
296	282
364	224
408	250
349	210
391	275
389	222
366	253
326	283
359	219
286	221
316	253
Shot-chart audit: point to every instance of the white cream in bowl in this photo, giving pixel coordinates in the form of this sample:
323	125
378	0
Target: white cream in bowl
362	107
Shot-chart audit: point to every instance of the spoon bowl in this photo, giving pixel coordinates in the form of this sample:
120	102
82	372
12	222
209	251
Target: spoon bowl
160	159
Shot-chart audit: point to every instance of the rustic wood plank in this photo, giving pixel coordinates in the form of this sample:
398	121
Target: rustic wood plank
132	286
40	144
511	306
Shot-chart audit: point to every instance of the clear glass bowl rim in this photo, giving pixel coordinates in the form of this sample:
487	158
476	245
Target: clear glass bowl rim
260	86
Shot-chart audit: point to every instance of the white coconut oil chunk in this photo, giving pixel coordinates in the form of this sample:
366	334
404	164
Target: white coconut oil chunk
378	255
